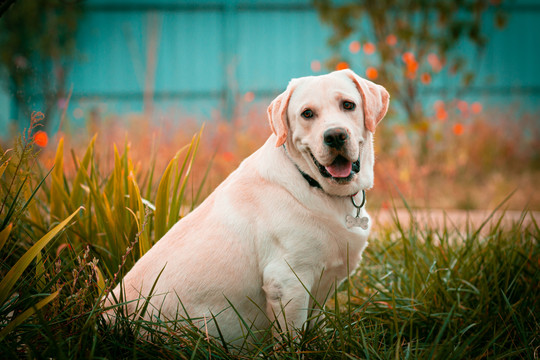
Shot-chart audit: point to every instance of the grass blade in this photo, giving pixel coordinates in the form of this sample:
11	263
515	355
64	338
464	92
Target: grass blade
57	182
4	166
77	190
4	235
16	271
25	315
162	200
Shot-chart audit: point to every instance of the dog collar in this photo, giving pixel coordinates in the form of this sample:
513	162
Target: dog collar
314	183
311	181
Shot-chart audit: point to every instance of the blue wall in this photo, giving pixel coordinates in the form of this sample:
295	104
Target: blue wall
201	57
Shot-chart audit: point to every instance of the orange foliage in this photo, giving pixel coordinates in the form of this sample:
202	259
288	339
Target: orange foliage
249	96
391	40
425	78
434	62
476	107
458	129
372	73
441	114
41	138
342	65
315	66
354	47
369	48
407	57
463	107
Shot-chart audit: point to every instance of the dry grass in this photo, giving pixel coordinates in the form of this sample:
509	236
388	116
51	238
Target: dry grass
494	155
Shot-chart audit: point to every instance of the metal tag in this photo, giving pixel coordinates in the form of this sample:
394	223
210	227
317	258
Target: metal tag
361	222
357	221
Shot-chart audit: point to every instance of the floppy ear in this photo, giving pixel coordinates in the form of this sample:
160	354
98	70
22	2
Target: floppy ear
374	97
277	114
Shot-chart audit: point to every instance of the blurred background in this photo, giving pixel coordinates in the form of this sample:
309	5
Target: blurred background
463	128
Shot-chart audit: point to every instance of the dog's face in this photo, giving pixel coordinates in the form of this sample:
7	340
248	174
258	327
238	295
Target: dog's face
327	123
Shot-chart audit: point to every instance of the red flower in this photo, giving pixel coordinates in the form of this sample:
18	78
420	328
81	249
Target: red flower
458	129
372	73
41	139
342	65
369	48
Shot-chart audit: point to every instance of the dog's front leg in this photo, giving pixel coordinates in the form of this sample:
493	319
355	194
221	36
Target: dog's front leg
287	300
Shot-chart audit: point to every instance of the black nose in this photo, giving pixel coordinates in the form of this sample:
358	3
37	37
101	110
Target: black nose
335	137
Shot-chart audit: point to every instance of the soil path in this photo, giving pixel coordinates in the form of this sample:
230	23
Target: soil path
455	218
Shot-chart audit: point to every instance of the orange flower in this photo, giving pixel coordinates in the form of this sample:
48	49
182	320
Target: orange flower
316	66
228	156
354	46
439	104
412	66
441	114
458	129
411	74
41	139
369	48
391	40
476	107
342	65
434	61
425	78
407	57
372	73
249	96
462	106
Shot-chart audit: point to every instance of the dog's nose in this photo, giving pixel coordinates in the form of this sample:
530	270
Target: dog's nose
335	137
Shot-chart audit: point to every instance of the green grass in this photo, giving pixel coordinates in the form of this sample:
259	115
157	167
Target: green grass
420	293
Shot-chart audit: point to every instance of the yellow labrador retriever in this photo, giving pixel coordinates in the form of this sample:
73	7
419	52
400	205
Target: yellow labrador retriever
290	218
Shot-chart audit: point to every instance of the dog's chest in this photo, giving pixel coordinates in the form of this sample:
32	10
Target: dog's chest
346	251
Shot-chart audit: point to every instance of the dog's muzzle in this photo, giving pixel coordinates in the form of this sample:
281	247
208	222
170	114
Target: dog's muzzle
341	169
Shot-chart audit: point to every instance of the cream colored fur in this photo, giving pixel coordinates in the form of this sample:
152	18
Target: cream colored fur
264	235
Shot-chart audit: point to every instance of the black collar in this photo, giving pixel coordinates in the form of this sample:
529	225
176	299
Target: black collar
311	181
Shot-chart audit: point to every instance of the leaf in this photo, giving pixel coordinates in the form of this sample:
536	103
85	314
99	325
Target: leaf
100	280
57	185
162	200
40	270
193	150
118	203
77	190
25	315
13	206
34	192
144	238
17	270
4	235
4	166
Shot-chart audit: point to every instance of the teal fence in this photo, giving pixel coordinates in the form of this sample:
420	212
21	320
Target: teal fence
203	58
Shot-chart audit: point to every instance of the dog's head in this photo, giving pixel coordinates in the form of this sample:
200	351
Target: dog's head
327	123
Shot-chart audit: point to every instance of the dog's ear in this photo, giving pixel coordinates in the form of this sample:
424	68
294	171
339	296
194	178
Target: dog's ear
374	97
277	114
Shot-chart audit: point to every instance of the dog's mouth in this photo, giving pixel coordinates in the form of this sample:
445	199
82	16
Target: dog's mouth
341	169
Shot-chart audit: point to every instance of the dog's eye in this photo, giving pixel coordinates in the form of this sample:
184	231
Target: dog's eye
348	105
307	114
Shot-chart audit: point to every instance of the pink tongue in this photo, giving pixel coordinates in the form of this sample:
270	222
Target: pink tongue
340	168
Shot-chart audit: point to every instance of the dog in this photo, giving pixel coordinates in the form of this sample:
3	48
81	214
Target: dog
276	237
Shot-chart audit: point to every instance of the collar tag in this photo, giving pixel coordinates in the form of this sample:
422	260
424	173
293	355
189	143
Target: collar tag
357	221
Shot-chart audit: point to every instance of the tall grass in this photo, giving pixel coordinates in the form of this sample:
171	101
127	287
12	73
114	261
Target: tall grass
421	292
